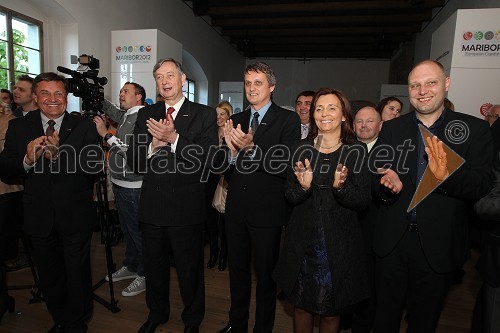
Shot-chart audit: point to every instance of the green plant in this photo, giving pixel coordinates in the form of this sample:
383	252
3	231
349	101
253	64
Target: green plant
20	56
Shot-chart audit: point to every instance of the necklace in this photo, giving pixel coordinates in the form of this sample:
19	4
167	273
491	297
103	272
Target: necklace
338	144
334	146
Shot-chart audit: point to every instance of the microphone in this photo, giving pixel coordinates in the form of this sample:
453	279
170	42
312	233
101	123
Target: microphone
67	71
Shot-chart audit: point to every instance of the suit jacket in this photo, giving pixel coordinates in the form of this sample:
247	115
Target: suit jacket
488	208
56	194
442	216
18	112
173	188
260	182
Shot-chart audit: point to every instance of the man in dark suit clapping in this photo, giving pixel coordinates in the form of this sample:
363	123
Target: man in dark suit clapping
170	144
417	250
256	209
57	155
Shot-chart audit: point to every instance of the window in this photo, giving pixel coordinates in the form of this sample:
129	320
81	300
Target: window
189	90
20	46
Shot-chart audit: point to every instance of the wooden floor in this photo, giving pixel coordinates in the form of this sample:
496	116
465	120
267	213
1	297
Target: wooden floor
34	318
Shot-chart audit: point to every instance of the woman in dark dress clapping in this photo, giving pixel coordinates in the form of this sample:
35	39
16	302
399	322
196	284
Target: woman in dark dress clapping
322	264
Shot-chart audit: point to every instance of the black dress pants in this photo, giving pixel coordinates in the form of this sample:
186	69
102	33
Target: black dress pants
405	279
63	262
263	243
186	244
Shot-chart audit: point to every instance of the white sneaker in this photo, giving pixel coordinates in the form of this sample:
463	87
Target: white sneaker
122	274
136	287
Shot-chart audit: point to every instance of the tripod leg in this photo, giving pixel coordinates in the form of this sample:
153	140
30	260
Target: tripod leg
37	295
105	222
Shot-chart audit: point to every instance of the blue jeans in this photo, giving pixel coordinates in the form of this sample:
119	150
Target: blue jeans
127	203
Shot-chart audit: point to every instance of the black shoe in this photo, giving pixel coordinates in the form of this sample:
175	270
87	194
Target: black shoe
148	327
56	329
222	263
10	305
20	263
191	329
213	259
231	329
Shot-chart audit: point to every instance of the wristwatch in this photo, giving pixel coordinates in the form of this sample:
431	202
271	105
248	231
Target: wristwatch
108	136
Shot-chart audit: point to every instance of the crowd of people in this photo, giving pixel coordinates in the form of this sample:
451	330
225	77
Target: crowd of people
337	182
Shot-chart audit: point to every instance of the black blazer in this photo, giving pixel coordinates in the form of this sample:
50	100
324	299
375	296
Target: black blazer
56	193
443	216
260	182
18	112
173	188
488	208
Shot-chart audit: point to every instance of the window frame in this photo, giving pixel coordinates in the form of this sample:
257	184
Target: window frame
10	15
188	90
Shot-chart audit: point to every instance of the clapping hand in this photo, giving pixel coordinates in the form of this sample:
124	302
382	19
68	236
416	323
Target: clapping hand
390	180
304	174
240	139
340	176
162	131
51	148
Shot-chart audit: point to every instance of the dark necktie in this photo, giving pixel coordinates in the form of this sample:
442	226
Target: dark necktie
255	122
170	110
50	129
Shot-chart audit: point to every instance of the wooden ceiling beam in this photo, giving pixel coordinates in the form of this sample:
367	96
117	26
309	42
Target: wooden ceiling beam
320	40
320	6
321	47
327	54
344	31
324	20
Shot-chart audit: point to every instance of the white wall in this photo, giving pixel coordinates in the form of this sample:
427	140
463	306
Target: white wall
358	79
93	20
424	39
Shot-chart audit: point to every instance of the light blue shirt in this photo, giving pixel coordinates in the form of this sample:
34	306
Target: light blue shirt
262	112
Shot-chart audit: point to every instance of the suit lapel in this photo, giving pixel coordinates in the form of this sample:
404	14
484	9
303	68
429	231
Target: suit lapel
448	116
67	126
245	120
36	126
184	117
413	154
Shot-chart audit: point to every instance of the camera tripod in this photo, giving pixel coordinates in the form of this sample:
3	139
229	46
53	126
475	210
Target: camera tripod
35	289
106	234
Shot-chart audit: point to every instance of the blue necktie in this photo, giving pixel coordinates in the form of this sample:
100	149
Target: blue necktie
255	122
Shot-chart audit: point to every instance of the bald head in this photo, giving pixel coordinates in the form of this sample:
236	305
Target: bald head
492	114
367	124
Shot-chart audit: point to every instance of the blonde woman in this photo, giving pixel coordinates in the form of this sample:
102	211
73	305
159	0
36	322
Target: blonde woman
216	223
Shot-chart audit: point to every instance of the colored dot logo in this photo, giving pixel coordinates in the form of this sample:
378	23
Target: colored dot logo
489	35
484	108
136	48
478	35
467	35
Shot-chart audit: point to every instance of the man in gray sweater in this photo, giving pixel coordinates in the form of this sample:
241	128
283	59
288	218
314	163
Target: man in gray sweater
126	184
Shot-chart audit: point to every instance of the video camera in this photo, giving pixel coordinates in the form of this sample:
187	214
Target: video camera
92	94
